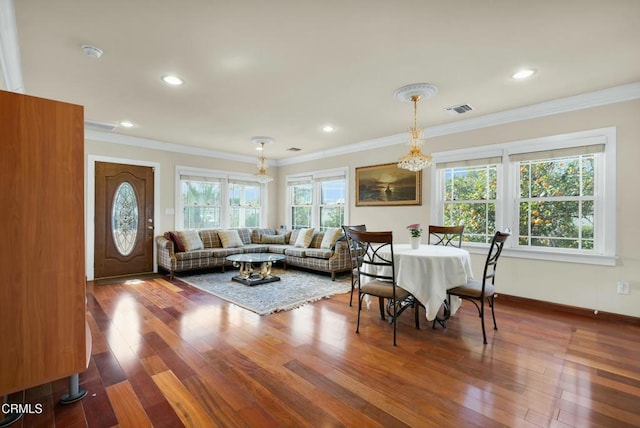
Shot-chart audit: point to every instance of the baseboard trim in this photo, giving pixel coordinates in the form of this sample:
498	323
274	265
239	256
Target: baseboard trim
589	313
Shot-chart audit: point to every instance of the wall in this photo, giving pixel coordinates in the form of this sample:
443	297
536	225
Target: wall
580	285
165	199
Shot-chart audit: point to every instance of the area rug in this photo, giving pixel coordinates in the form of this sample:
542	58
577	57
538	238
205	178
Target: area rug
294	289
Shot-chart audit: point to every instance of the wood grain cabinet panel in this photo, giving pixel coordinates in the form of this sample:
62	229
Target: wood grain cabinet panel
42	256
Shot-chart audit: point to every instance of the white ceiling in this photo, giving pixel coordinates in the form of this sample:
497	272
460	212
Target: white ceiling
285	68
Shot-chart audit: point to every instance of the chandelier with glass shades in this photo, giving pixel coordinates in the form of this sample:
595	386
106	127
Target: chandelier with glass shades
415	160
262	175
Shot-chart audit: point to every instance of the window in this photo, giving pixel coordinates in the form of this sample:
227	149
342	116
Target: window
470	200
201	202
301	205
556	200
318	200
554	194
244	200
214	199
332	198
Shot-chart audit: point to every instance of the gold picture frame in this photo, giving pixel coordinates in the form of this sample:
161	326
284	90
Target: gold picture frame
387	185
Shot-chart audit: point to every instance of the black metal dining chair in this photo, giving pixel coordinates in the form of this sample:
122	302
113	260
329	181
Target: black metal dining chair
448	236
376	273
479	291
353	251
445	235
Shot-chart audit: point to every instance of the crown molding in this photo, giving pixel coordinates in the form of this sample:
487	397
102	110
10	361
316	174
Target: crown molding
562	105
10	49
351	148
108	137
13	80
602	97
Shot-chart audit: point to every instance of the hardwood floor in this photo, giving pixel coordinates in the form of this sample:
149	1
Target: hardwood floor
168	355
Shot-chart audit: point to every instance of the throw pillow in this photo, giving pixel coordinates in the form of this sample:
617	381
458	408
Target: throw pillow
190	239
230	238
177	242
305	236
272	239
330	237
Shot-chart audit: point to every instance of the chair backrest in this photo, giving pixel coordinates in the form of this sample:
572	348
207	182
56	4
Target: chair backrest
352	249
445	235
374	254
491	264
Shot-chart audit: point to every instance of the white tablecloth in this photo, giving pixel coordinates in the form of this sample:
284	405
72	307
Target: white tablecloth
429	271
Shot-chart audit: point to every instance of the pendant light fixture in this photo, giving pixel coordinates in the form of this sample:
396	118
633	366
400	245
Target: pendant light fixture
415	160
262	175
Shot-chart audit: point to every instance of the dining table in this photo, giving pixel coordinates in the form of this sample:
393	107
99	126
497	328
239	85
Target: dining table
427	272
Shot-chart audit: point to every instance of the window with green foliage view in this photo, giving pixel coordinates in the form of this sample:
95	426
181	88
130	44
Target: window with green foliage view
217	200
332	197
556	195
556	202
302	202
201	204
244	203
317	199
470	201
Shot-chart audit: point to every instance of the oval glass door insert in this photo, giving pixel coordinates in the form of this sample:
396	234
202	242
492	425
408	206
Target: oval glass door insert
124	218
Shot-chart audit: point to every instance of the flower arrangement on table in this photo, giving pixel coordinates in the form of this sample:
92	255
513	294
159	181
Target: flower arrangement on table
415	230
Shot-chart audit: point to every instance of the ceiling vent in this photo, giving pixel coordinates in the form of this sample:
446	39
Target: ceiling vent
460	109
100	126
293	149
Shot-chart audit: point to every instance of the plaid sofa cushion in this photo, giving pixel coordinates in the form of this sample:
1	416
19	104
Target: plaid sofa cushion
195	254
319	253
330	237
230	238
272	239
295	251
293	235
279	249
224	252
305	236
190	239
245	235
257	234
316	241
255	248
210	238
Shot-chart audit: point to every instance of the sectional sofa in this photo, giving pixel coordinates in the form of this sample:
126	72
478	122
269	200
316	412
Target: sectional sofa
324	251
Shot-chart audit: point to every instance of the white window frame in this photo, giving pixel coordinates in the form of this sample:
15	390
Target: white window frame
225	177
507	193
299	181
316	178
243	208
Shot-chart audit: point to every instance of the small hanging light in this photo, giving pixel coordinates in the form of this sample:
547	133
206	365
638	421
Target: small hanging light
262	175
415	160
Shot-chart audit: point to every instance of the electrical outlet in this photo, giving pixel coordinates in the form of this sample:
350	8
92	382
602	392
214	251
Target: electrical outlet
623	287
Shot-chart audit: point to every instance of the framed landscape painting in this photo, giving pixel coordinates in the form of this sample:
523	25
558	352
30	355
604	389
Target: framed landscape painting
387	185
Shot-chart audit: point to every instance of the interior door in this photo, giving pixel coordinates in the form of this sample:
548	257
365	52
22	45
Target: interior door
124	220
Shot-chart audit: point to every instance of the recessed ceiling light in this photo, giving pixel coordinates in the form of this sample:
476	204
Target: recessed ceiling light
328	128
126	124
91	51
523	74
172	80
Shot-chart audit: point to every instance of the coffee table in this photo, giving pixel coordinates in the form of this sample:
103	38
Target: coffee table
248	275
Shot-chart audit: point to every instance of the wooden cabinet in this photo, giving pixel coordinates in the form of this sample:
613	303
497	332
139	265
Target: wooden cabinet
42	253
